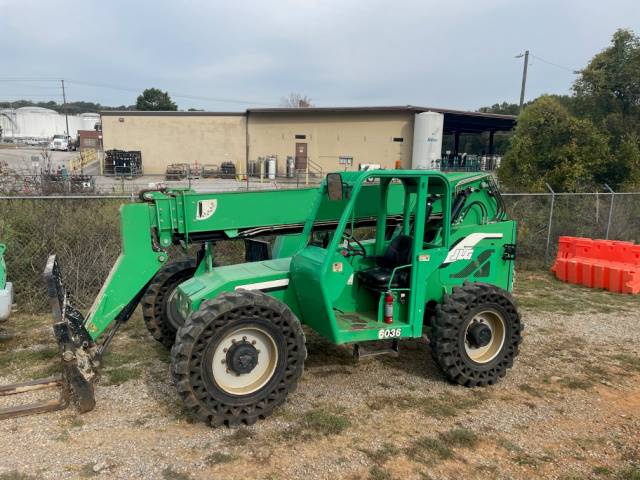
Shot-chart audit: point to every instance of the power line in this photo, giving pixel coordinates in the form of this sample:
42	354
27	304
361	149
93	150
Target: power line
136	90
572	70
173	94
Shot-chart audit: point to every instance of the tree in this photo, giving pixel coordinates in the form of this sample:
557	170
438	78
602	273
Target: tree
503	108
611	80
296	100
156	100
552	146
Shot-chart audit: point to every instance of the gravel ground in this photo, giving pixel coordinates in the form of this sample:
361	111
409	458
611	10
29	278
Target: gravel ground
570	408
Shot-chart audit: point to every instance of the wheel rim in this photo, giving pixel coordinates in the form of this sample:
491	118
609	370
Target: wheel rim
245	383
174	317
496	324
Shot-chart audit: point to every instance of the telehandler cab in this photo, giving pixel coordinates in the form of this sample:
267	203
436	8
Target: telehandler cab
367	259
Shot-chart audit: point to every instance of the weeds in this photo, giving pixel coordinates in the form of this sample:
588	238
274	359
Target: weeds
576	383
381	455
87	471
122	375
428	450
379	473
217	458
240	437
324	422
170	474
15	475
459	437
627	361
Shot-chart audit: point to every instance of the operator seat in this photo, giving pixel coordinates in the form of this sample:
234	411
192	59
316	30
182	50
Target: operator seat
398	253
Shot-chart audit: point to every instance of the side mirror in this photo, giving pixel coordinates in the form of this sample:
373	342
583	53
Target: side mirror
334	186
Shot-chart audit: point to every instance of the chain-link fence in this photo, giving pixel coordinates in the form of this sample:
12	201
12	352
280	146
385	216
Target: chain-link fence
84	233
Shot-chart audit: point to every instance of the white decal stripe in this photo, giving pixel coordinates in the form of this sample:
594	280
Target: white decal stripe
264	285
468	242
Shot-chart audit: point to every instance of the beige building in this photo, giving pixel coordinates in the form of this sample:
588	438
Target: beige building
324	139
177	137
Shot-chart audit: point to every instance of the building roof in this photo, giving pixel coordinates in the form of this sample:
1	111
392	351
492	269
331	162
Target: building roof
454	120
151	113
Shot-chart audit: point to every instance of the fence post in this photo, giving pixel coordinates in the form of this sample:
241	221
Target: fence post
613	194
553	201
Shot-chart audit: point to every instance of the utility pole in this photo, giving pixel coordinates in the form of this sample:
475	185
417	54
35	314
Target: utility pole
524	76
66	117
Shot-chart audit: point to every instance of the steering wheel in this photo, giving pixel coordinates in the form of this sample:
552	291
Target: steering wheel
351	250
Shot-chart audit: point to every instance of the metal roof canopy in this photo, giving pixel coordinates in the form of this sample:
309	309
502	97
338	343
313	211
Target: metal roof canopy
454	120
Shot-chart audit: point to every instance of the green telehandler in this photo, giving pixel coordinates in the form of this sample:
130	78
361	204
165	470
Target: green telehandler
365	260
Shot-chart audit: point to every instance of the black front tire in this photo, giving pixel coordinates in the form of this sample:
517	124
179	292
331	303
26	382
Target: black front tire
449	336
155	305
202	337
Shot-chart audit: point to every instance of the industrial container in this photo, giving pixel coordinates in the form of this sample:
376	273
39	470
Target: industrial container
428	130
271	168
291	167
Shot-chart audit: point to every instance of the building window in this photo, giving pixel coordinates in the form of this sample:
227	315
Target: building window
345	160
300	137
398	139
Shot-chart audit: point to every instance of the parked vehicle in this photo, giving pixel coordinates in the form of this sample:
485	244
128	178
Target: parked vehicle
366	260
60	142
6	288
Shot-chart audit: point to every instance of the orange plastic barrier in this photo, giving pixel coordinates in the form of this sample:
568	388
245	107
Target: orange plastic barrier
609	264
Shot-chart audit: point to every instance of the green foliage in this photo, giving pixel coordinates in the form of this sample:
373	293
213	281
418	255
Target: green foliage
580	142
552	146
155	99
503	108
611	80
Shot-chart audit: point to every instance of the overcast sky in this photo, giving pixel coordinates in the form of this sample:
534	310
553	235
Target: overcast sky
235	54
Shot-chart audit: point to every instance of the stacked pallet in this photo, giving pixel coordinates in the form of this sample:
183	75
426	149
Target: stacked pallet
609	264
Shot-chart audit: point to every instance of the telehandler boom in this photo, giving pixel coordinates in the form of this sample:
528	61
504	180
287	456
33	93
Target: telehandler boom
367	259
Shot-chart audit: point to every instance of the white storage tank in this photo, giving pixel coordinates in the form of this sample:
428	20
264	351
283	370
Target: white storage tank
428	129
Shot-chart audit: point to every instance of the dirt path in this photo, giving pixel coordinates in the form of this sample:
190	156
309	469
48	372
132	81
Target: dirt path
570	408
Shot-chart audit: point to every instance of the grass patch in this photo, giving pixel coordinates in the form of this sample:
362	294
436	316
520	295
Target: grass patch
18	359
452	405
76	422
529	390
508	445
429	450
170	474
630	473
218	458
628	361
442	407
15	475
378	473
574	383
64	436
601	470
381	455
525	459
86	471
238	438
324	422
460	437
542	292
122	375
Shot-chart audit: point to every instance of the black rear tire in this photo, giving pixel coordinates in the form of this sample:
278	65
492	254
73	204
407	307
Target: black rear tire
155	302
458	352
198	368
